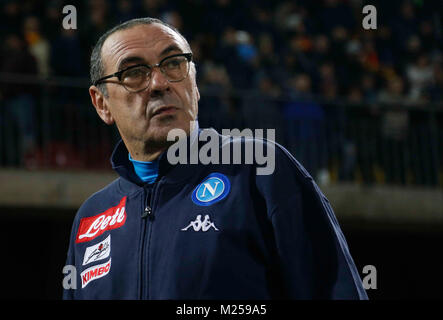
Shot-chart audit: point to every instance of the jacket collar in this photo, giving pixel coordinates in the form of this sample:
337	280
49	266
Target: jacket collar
173	173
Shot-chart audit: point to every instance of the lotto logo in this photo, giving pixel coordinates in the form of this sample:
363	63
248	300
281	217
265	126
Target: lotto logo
92	227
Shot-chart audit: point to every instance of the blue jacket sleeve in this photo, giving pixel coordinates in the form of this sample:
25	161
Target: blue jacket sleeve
70	281
312	254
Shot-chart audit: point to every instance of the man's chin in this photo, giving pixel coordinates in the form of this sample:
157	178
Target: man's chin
161	129
158	137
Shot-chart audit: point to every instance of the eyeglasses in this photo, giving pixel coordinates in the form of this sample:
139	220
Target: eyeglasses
136	78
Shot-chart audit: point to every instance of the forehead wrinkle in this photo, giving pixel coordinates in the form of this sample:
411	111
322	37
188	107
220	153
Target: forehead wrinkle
117	43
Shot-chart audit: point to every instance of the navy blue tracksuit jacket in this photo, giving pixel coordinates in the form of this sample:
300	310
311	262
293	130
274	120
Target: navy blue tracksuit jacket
211	232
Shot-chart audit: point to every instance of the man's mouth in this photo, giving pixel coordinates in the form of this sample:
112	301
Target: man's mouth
164	110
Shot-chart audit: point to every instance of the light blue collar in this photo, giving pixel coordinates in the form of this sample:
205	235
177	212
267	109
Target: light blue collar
147	171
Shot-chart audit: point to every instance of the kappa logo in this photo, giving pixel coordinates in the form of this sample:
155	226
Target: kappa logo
91	227
98	252
95	272
198	224
213	189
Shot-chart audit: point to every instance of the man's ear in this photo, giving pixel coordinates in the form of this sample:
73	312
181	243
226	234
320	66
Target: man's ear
100	105
198	93
194	81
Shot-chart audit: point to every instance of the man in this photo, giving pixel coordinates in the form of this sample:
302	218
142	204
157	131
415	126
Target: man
194	231
17	102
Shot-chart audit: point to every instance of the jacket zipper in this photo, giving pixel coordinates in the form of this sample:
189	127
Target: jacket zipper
144	214
147	219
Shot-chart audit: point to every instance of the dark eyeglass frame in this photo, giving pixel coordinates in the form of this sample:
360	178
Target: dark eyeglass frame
118	74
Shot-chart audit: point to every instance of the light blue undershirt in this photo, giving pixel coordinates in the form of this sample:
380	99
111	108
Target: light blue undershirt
147	171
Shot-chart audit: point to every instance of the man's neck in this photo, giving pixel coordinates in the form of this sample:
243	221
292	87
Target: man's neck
146	157
146	151
151	150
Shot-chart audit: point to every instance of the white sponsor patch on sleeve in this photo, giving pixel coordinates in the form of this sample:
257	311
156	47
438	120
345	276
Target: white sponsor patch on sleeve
98	251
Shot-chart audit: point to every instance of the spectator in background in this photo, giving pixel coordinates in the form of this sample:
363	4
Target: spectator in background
369	89
98	20
394	130
174	19
370	56
434	90
299	47
347	67
261	20
66	54
268	59
340	147
51	19
37	43
215	103
221	14
238	52
404	24
288	15
248	56
362	136
420	75
383	44
153	8
428	36
336	13
290	66
125	10
261	107
66	61
426	139
326	81
349	73
395	122
321	49
305	125
10	18
411	51
17	101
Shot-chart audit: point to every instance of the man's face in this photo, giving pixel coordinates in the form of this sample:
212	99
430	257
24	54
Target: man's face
145	118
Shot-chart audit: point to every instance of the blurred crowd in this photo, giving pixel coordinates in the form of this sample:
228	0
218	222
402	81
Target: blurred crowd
312	47
275	63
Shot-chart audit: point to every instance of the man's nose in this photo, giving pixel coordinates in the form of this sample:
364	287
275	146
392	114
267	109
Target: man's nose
159	83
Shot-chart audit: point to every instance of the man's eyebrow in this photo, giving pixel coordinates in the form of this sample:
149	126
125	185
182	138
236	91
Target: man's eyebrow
128	60
135	59
170	48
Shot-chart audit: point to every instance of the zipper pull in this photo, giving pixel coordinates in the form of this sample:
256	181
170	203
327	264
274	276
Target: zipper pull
147	213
